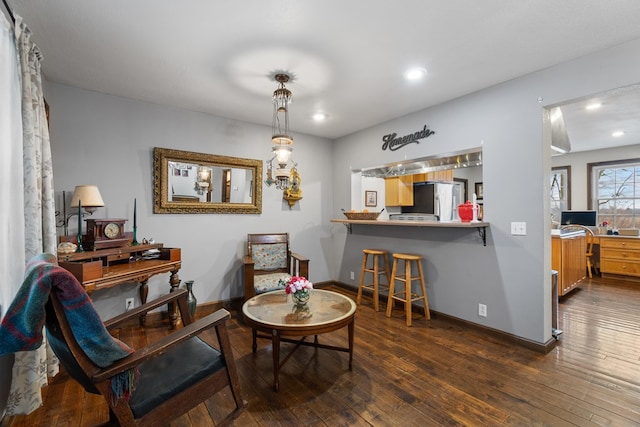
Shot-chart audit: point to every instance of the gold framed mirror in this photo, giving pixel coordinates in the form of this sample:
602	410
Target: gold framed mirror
187	182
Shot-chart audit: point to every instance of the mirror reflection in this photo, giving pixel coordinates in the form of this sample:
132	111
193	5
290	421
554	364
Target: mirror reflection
188	182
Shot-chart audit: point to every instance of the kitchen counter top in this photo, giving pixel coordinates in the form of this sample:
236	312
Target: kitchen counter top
481	226
412	223
565	234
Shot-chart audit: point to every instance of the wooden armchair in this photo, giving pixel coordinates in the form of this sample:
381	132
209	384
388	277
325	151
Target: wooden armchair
176	373
269	259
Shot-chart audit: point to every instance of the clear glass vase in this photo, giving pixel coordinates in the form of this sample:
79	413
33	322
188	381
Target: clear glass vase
301	298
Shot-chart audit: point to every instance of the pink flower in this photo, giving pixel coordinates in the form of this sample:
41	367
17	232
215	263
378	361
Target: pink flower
296	284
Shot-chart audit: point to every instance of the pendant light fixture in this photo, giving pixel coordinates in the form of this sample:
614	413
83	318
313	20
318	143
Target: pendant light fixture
284	177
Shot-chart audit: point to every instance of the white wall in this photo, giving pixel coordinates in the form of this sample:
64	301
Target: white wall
512	274
108	141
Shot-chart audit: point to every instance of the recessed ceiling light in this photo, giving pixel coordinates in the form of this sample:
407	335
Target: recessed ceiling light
415	73
593	106
319	117
617	133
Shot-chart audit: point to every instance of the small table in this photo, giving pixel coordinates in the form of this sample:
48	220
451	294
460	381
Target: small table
275	314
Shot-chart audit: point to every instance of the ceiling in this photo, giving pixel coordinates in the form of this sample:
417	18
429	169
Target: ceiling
347	58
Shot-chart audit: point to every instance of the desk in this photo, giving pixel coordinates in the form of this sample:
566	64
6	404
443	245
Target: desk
274	314
619	256
106	268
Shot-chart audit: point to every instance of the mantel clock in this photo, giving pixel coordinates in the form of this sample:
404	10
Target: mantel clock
105	233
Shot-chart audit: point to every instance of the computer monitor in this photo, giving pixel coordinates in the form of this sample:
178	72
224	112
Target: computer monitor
587	218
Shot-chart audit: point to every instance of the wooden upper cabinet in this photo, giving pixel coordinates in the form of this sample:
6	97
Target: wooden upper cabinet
399	190
445	175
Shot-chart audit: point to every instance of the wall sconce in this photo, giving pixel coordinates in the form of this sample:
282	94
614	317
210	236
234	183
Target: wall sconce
293	193
85	197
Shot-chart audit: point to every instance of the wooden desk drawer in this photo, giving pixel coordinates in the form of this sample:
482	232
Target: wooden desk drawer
620	267
84	271
620	254
620	243
118	257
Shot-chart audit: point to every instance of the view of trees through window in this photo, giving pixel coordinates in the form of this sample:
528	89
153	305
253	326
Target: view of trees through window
560	191
616	193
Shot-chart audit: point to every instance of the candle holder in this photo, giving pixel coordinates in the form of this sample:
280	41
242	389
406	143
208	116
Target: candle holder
135	240
135	223
79	238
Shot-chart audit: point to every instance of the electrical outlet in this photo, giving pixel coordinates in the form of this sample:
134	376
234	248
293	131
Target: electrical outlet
128	304
518	228
353	276
482	310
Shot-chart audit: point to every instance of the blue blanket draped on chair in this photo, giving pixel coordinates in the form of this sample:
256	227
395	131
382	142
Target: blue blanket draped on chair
21	328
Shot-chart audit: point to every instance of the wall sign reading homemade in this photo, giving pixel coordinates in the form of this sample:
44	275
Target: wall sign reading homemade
392	143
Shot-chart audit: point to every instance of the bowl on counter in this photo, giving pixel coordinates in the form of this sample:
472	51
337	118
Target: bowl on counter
362	215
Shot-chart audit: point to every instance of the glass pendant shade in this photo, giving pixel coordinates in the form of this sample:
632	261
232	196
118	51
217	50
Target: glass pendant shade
283	154
280	124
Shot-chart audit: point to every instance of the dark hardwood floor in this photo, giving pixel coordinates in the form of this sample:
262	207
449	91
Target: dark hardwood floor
433	373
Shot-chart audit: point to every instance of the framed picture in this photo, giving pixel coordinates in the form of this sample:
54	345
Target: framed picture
371	198
479	191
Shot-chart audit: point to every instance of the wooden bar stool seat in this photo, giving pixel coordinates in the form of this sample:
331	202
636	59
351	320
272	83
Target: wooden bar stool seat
406	294
376	269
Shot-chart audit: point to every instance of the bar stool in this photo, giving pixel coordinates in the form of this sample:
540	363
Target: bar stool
376	270
407	294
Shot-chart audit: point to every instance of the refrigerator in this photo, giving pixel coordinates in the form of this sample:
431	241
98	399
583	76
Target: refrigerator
436	198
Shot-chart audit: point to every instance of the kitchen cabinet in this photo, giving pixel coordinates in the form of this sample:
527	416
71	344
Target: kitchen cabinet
445	175
398	191
568	258
619	256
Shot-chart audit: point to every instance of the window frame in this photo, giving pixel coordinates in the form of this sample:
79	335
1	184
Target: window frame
592	190
566	188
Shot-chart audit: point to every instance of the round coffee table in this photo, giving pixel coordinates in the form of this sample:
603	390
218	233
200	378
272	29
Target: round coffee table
274	314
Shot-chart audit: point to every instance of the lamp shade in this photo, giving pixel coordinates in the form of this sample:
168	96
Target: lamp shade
89	195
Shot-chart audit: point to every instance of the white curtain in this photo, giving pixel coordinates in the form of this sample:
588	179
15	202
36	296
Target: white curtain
29	187
12	259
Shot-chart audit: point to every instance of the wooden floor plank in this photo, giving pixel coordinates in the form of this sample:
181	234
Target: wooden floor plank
434	373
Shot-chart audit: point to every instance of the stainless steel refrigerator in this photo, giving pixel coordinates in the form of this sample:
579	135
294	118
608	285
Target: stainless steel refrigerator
436	198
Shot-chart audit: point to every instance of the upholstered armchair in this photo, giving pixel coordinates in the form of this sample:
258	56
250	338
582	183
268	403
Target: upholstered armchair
269	259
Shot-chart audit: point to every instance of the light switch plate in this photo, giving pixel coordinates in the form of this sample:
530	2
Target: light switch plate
518	228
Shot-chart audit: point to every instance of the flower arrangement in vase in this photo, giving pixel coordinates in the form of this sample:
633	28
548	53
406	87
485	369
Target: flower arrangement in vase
299	288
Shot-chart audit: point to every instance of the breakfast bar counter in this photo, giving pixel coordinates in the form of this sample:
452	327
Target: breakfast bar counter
480	226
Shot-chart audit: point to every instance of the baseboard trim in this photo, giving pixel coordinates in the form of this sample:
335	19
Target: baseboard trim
531	345
234	306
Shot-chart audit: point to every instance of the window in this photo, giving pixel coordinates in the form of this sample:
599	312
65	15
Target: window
560	191
615	192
